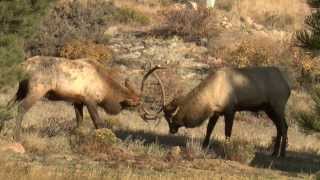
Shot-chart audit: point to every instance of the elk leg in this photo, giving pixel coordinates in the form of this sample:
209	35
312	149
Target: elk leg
284	141
212	122
25	105
78	107
272	115
229	117
97	121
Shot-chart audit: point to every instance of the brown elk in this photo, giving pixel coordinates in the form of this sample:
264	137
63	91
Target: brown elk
82	82
227	91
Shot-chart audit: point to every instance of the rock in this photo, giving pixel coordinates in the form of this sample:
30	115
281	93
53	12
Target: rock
111	31
15	147
178	6
137	48
248	20
133	55
258	27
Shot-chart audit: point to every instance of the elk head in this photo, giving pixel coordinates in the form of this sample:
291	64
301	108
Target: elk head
170	113
133	98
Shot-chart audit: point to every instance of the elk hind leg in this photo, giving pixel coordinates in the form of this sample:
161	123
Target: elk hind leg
23	107
277	122
284	137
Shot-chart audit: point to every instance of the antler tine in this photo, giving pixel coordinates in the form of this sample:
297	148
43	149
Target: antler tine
146	114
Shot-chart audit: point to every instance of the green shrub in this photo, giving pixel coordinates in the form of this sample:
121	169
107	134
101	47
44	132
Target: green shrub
309	38
21	17
11	53
18	19
310	122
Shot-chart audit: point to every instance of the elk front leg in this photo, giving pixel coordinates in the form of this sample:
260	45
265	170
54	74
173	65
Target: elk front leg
212	122
78	107
97	121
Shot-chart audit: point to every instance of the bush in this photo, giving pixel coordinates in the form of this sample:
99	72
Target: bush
21	17
79	20
252	53
127	15
11	54
4	116
237	150
226	5
18	19
307	68
189	23
274	20
70	20
309	38
85	49
310	122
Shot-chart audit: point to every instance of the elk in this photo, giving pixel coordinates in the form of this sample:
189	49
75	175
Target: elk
227	91
82	82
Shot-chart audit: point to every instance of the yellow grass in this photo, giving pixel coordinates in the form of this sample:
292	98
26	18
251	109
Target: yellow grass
144	148
256	9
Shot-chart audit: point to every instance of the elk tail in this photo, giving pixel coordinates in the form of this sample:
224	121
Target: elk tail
20	94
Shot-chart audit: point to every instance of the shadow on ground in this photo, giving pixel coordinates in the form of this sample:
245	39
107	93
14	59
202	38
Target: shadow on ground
293	162
151	137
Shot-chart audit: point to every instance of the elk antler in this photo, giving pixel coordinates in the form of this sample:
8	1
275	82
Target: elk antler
144	113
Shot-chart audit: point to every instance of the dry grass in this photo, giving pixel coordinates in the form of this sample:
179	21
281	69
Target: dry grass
189	23
255	50
138	150
279	14
85	49
148	152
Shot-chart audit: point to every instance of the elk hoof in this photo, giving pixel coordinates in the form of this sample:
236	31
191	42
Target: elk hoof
282	154
275	154
205	145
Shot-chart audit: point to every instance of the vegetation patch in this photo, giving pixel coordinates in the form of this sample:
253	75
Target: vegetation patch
76	49
18	19
310	122
191	24
257	51
128	15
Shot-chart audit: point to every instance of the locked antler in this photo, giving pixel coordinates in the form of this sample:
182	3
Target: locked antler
145	114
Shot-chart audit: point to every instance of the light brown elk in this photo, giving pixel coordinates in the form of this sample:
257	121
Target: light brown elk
227	91
82	82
